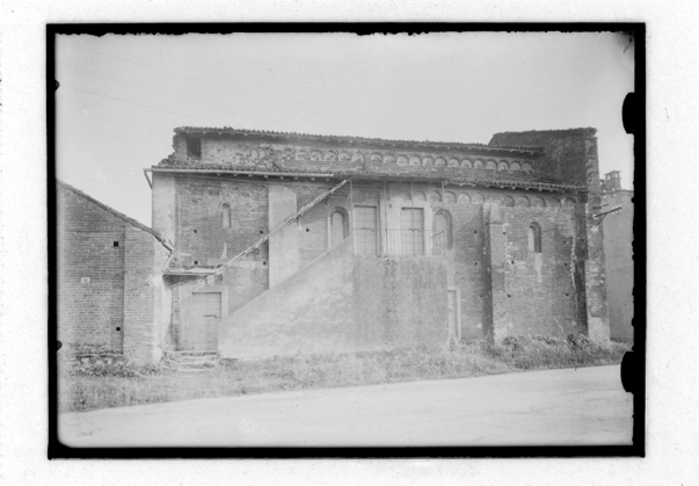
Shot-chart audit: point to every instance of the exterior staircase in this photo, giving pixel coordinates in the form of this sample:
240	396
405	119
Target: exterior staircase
194	361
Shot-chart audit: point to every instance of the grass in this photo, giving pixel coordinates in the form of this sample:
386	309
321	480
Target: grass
96	384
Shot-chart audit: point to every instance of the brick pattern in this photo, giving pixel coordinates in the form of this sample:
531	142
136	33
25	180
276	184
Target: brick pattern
505	288
539	291
106	293
200	235
256	152
565	152
468	268
90	273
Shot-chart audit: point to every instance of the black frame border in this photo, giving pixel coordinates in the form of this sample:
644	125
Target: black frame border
57	450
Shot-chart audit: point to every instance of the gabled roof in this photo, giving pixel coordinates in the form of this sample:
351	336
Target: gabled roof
116	213
532	149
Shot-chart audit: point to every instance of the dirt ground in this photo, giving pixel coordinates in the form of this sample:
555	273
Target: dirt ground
558	407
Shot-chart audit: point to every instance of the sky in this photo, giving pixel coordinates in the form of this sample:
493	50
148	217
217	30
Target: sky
120	97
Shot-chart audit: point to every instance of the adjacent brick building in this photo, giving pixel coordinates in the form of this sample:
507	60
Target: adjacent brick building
287	243
618	249
111	295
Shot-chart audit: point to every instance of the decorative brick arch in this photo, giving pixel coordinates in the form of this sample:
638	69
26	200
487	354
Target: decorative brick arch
419	196
522	202
435	196
553	202
449	197
568	202
538	202
464	198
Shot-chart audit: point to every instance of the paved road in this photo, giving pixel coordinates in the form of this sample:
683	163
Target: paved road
584	406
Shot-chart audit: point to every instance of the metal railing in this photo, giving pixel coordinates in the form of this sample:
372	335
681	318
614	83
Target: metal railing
408	242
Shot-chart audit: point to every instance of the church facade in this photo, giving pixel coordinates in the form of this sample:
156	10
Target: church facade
287	243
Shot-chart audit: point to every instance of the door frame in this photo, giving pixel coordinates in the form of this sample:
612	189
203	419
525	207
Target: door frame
219	289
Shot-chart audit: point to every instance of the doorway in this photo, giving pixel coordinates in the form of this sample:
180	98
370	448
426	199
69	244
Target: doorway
201	327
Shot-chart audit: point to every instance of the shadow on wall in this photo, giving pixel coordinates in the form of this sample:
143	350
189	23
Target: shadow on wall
341	303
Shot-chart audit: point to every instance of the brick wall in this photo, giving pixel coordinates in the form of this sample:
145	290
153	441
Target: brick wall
539	292
108	273
200	234
90	273
565	152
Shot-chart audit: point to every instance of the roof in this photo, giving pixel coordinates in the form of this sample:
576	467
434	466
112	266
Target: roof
534	149
168	165
116	213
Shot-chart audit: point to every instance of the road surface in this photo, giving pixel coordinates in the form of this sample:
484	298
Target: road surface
558	407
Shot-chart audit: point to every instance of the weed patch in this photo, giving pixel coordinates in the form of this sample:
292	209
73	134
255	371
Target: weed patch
96	384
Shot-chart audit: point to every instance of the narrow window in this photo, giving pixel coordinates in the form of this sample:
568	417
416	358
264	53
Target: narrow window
412	231
366	230
193	147
534	238
338	227
442	235
226	216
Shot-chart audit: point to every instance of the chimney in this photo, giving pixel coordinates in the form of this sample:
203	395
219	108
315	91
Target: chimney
612	181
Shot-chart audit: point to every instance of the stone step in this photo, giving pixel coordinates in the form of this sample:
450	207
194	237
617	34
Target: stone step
193	370
196	359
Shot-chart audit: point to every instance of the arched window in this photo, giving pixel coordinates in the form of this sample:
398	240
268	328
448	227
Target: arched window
339	227
441	233
226	216
534	238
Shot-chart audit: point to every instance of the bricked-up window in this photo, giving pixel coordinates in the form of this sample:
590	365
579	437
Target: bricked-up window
441	233
366	230
412	222
534	237
193	147
339	227
226	216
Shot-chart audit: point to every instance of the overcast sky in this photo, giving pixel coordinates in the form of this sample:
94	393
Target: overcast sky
120	97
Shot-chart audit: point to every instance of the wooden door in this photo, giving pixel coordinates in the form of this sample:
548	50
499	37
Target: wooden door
201	332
